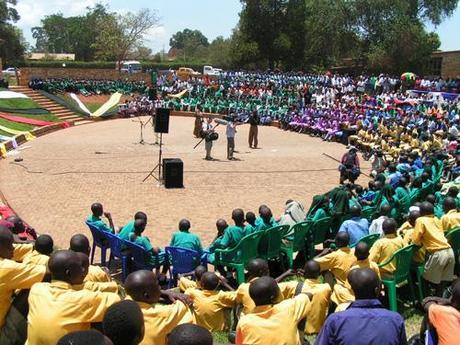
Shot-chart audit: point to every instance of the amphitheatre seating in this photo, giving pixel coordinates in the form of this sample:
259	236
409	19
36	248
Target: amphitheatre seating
182	261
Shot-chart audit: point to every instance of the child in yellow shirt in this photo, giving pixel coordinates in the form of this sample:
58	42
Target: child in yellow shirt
209	304
142	286
43	248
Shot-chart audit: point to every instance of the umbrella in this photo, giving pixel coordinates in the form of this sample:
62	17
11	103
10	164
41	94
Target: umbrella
408	76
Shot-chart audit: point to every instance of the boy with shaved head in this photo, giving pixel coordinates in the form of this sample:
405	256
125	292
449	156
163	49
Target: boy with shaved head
95	219
43	248
209	303
58	308
451	218
271	323
79	243
142	287
185	239
14	276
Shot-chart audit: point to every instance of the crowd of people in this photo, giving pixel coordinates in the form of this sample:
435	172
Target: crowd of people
410	203
88	87
337	291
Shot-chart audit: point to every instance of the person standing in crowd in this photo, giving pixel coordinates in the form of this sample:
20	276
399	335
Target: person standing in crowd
231	132
254	130
198	123
207	130
349	167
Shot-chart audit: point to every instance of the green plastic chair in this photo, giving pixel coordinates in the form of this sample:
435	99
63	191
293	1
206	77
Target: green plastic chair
318	234
238	256
368	212
369	239
401	276
270	242
453	237
299	240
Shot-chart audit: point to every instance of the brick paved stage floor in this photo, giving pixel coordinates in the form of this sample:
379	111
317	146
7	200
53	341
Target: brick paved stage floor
64	172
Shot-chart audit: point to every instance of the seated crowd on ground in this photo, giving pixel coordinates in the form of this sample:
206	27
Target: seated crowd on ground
88	87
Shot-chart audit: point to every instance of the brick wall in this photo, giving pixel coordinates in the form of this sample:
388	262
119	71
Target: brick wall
451	65
27	73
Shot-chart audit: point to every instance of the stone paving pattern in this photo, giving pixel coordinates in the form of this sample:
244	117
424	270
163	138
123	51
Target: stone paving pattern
64	172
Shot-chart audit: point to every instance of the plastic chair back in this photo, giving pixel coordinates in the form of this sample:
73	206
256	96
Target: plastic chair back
183	260
368	213
403	263
301	231
139	256
453	237
243	252
369	240
100	237
320	229
271	240
116	245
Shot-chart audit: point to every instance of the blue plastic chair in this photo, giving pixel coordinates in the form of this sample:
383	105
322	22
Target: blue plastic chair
100	240
118	250
182	261
138	257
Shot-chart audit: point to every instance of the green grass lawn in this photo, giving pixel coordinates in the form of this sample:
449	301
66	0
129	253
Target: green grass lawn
18	103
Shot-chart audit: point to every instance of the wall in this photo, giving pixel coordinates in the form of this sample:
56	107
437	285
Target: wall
450	65
28	73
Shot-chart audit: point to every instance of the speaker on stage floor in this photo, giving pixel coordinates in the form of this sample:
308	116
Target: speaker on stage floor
173	173
162	120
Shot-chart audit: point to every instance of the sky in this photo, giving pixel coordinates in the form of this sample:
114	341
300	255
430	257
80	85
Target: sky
212	17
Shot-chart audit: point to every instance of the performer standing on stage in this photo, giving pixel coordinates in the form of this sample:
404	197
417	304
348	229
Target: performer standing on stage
206	131
231	131
253	130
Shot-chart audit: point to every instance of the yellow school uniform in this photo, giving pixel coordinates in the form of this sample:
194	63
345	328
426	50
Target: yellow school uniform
160	320
344	293
96	274
243	298
209	306
13	276
36	258
98	287
273	324
428	233
338	262
407	234
57	308
383	249
21	250
450	220
185	283
319	304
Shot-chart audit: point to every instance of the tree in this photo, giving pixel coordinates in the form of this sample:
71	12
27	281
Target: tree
58	34
141	53
11	40
192	43
219	52
119	35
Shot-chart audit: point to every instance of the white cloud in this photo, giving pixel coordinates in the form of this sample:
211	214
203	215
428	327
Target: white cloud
157	38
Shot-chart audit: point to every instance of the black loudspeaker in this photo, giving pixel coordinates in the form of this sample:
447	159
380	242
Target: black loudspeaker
162	120
173	173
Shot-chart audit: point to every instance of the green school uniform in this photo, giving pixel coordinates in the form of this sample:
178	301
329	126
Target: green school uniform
98	223
126	230
232	236
185	239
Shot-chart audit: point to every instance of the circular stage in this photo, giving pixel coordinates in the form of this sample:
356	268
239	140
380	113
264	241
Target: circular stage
62	173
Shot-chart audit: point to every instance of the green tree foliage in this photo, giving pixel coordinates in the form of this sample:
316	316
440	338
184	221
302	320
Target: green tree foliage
382	34
12	45
59	34
192	43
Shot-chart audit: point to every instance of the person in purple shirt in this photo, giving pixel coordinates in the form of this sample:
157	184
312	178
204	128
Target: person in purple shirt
356	227
366	321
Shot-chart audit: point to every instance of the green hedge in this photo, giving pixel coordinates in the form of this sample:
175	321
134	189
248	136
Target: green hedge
197	66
